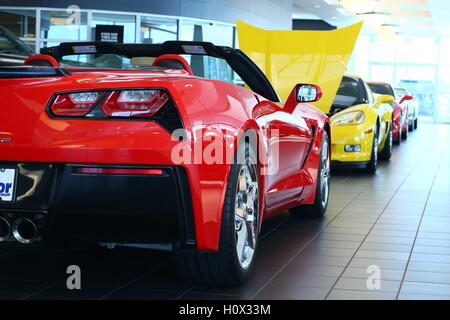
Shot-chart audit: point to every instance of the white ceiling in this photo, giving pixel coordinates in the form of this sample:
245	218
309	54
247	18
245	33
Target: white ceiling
416	17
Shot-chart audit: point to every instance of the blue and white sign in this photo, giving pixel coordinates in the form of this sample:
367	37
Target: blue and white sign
7	181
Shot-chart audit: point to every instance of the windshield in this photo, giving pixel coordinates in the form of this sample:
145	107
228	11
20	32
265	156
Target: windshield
351	92
98	61
10	44
381	88
202	66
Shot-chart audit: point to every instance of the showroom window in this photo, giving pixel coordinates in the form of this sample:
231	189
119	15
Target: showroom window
157	30
64	25
196	30
222	35
443	83
209	67
381	50
22	23
127	21
425	73
409	51
75	24
359	62
383	73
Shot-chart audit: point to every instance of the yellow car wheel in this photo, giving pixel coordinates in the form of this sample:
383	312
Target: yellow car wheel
386	153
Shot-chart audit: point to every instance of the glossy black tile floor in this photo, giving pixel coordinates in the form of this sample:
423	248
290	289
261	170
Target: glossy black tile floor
397	220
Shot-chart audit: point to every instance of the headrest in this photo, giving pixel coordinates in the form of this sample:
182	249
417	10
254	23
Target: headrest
172	61
43	60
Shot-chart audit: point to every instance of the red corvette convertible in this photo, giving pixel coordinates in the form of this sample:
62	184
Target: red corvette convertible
400	114
121	144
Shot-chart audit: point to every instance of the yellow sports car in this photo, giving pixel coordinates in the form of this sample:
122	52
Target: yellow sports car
361	125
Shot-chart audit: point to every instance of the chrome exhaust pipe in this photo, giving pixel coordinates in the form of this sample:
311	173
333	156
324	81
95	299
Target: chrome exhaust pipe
5	229
25	230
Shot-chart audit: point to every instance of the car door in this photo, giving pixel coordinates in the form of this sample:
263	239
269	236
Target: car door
288	138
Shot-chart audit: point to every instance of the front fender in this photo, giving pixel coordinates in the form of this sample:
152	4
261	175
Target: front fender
386	118
361	134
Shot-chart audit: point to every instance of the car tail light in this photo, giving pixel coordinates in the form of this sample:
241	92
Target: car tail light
120	171
75	104
116	104
134	103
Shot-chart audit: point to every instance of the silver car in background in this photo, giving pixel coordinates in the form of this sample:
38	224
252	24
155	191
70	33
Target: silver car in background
403	96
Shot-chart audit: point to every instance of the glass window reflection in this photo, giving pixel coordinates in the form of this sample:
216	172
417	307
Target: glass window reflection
64	25
22	23
156	30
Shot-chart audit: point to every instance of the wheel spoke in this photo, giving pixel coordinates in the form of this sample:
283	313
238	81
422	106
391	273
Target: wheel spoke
241	240
242	182
252	195
251	239
325	173
240	212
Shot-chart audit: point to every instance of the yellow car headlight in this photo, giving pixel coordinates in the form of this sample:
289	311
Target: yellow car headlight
349	119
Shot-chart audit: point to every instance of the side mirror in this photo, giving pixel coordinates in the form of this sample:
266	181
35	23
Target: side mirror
307	92
385	99
405	98
302	93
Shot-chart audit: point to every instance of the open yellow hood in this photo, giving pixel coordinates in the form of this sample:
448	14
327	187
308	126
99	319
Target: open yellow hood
291	57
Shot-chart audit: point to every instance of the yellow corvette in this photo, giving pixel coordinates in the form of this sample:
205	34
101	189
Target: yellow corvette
361	125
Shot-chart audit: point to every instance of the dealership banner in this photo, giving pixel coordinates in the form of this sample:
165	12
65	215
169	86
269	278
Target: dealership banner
299	56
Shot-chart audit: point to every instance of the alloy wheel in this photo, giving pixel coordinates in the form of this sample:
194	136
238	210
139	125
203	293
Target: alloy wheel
325	173
246	213
375	148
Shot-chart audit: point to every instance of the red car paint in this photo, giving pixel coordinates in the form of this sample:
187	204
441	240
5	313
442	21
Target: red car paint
203	105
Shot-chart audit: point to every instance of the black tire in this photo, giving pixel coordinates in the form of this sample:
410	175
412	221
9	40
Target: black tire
386	153
319	207
397	140
371	166
411	126
405	133
222	267
416	123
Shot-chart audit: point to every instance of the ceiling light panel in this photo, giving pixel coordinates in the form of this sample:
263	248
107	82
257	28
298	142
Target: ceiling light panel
360	6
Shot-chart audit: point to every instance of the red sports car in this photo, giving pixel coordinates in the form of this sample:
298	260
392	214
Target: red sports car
400	114
131	148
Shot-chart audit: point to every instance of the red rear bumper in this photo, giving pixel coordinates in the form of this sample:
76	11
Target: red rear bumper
123	143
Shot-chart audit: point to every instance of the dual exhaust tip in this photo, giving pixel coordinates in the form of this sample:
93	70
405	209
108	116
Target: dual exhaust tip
24	230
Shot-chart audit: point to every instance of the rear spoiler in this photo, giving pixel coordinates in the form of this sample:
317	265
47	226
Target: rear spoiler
132	50
31	72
